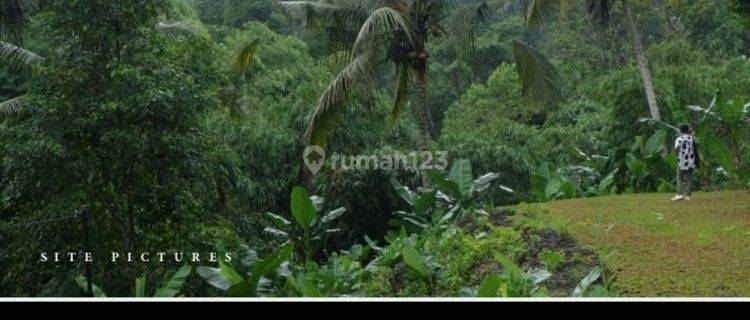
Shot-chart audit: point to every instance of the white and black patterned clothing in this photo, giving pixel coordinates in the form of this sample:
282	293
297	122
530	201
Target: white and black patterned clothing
685	152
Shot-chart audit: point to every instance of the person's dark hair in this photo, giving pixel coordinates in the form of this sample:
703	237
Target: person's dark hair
685	128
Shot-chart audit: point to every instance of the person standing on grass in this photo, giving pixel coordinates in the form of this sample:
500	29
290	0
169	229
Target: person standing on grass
687	161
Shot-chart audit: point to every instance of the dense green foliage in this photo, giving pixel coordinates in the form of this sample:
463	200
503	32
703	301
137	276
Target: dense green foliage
180	125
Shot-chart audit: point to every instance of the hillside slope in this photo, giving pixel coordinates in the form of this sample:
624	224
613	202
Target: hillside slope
659	248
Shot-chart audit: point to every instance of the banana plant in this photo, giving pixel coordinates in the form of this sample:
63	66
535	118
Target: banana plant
650	165
170	289
548	184
341	275
584	286
449	197
414	260
309	228
720	129
514	282
402	247
257	282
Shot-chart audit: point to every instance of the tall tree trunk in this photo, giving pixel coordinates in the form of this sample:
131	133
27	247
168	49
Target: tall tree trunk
648	83
423	118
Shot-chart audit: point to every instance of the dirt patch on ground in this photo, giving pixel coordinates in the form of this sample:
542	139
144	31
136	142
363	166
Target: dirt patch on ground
399	280
468	223
482	270
499	219
502	218
578	262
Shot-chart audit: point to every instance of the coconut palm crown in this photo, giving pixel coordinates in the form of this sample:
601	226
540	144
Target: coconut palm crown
398	31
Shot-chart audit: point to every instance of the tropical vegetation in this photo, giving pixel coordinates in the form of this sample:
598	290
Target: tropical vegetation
181	126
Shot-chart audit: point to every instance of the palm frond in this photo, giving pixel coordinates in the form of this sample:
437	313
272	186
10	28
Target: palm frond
539	79
234	99
402	90
340	19
381	25
539	12
482	12
463	23
179	27
243	61
12	108
442	10
340	11
335	61
301	8
17	56
438	10
238	111
332	104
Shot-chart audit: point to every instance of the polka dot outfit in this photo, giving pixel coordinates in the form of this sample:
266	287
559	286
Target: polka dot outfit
685	152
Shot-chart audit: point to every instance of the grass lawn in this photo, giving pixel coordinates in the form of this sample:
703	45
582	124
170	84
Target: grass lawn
660	248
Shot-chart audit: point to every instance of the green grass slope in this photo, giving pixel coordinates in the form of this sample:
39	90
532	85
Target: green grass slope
657	248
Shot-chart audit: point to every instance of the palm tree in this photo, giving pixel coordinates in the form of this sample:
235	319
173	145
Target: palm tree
538	12
233	95
12	22
648	83
398	31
